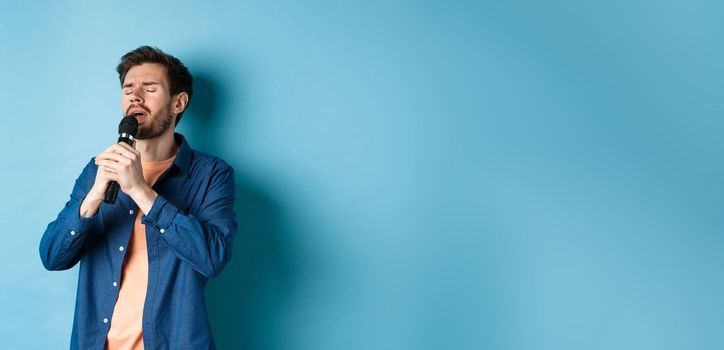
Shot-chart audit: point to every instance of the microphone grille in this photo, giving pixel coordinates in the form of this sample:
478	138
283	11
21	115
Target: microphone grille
128	125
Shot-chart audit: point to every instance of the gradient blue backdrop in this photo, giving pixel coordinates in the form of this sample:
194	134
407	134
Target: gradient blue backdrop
411	174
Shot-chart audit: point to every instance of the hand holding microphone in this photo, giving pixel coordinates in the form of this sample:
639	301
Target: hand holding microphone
105	189
127	130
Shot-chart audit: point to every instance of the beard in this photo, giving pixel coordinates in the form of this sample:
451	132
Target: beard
155	126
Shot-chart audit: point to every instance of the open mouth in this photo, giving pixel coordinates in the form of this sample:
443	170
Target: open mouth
139	113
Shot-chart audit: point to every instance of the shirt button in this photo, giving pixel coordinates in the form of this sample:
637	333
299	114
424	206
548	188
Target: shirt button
115	284
105	320
162	230
130	212
72	233
120	248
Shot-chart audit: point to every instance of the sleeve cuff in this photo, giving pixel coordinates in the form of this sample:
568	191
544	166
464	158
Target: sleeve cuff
161	214
77	222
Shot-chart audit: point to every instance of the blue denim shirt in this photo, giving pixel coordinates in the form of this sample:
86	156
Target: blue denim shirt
189	234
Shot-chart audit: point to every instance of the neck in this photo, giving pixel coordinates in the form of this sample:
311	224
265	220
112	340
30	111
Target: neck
158	148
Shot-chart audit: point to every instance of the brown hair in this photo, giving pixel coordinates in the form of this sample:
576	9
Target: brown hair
179	77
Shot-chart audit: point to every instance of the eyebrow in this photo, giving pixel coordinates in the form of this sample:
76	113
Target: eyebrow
145	83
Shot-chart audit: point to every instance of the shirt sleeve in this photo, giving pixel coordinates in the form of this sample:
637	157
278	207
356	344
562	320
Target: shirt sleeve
204	240
61	246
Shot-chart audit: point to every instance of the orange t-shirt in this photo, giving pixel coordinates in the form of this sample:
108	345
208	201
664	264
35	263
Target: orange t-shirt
126	332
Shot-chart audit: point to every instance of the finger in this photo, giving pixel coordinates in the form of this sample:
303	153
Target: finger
115	157
109	149
118	149
128	147
126	150
109	165
104	169
110	176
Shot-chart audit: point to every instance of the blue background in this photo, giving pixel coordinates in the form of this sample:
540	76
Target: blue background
411	174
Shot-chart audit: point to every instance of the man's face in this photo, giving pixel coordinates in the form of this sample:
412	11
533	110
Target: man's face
146	96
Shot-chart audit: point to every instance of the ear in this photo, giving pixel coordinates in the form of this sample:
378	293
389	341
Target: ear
181	100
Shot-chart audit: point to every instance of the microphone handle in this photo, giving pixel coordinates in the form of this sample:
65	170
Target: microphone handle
113	187
112	193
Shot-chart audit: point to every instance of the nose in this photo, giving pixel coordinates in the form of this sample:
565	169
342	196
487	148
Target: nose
136	96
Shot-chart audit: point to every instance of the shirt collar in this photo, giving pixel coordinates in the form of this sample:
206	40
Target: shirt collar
183	156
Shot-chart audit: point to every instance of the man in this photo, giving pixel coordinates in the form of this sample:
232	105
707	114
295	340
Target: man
145	260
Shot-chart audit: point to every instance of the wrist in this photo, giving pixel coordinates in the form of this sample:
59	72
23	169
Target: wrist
95	196
144	196
137	191
89	206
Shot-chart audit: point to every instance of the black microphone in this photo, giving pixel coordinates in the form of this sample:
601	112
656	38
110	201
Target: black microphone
127	130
